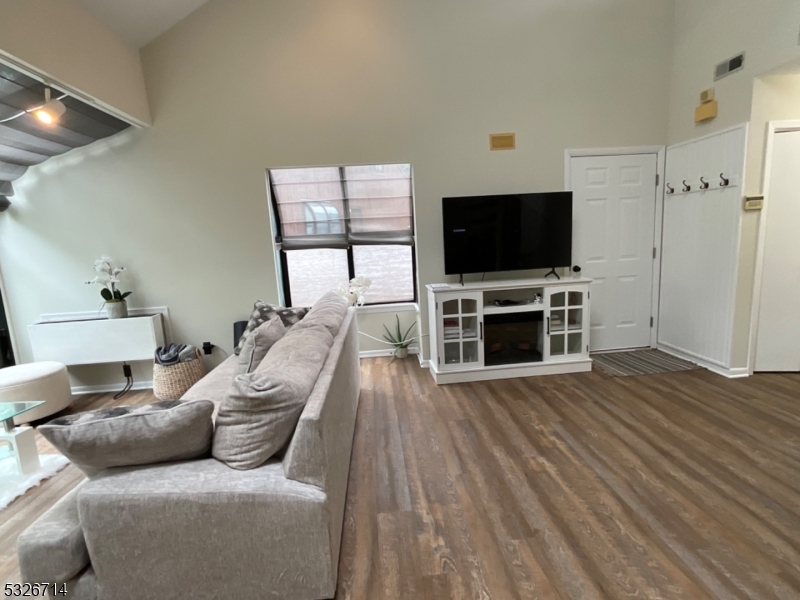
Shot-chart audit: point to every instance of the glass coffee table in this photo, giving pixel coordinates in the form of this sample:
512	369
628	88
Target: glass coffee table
20	440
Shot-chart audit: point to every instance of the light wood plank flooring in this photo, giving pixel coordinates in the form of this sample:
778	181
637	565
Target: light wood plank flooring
681	485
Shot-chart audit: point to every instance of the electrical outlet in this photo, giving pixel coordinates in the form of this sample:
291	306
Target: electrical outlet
208	347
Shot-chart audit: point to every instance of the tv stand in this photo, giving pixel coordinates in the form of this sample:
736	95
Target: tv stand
552	272
474	339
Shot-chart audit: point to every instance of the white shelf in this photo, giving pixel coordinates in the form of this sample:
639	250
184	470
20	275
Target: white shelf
492	309
96	341
514	284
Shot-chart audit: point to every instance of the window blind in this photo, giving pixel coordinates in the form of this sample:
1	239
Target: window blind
336	207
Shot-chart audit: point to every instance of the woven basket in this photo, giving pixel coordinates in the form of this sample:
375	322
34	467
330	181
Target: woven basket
170	382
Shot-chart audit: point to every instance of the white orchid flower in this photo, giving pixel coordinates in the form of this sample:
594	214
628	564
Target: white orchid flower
109	275
361	282
354	291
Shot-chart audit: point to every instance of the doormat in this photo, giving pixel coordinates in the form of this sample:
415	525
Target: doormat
640	362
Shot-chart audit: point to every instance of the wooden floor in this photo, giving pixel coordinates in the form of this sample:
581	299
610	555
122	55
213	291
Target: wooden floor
681	485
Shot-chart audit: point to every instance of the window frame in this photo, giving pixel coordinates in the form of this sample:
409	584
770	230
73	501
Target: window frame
284	263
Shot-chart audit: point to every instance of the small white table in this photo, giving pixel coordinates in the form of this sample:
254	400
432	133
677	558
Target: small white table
20	440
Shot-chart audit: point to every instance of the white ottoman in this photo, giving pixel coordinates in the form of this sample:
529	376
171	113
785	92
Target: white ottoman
33	382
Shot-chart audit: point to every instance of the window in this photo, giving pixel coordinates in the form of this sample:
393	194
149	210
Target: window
336	223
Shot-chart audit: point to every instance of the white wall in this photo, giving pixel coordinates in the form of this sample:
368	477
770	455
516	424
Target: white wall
707	33
711	31
62	41
243	85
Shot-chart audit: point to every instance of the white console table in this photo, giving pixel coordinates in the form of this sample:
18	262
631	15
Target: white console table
474	339
96	341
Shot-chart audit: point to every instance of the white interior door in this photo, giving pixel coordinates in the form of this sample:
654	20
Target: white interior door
778	337
614	208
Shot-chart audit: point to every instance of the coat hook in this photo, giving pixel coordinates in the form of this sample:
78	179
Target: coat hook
703	184
686	186
670	189
724	182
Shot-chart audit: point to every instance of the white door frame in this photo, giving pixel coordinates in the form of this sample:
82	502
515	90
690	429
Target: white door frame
661	159
774	127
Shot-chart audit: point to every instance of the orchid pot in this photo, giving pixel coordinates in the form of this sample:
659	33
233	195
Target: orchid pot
113	298
116	309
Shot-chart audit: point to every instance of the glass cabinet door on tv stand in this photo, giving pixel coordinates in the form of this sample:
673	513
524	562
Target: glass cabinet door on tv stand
460	330
566	323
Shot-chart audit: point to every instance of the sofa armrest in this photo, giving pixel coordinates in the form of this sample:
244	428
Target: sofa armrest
200	529
53	547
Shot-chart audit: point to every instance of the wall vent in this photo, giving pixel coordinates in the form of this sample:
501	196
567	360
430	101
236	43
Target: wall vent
729	66
502	141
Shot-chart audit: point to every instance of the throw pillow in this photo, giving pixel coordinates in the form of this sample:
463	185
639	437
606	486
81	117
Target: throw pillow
122	436
257	344
329	311
263	312
259	415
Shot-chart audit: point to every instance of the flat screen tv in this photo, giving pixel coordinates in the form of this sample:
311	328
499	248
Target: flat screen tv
507	233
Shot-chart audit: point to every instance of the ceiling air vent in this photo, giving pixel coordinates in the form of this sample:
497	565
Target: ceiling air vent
729	66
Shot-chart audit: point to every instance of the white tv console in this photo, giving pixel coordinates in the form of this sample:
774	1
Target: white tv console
473	339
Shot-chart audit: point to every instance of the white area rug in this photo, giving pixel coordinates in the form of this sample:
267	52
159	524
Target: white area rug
13	485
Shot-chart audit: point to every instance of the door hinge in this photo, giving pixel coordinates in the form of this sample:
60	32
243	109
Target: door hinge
655	250
437	306
589	295
658	179
651	321
440	359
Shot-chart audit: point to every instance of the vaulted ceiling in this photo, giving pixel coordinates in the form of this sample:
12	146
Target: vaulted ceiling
139	22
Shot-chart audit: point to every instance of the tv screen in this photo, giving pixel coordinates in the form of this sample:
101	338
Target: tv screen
507	233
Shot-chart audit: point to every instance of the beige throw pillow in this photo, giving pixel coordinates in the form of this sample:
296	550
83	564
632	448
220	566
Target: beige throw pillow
259	415
328	311
121	436
257	344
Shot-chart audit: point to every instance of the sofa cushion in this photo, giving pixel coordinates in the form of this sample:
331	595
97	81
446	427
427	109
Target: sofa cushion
263	312
258	343
118	436
258	416
53	547
328	311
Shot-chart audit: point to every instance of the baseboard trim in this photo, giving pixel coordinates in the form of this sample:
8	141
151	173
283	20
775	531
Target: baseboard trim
728	372
380	353
734	373
110	387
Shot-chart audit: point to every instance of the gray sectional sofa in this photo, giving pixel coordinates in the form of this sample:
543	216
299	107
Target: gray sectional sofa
202	530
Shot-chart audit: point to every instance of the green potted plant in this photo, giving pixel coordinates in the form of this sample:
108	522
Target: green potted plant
108	277
399	340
